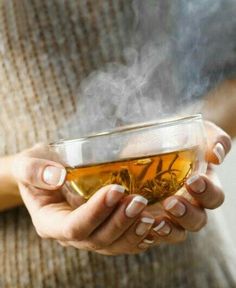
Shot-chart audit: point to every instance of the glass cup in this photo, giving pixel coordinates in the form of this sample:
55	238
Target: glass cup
151	159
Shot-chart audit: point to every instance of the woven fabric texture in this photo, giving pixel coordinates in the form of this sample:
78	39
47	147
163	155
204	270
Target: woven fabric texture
47	47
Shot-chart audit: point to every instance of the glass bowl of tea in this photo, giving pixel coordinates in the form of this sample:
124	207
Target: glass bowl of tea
152	159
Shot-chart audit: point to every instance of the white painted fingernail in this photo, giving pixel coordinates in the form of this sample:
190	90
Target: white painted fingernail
147	241
219	152
136	206
118	188
143	245
114	195
143	227
175	207
54	175
140	199
159	226
163	228
196	183
147	220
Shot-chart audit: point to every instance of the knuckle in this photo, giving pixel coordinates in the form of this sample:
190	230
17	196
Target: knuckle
94	217
132	240
182	237
119	223
218	202
71	233
199	225
96	245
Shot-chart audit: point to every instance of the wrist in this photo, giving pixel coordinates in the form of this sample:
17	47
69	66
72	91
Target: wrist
7	179
9	192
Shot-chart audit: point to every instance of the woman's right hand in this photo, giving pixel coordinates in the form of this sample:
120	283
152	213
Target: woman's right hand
109	222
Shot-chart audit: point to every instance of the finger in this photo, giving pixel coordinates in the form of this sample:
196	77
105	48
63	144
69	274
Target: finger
207	191
118	222
59	221
143	246
219	143
189	216
46	216
83	221
130	240
165	231
40	173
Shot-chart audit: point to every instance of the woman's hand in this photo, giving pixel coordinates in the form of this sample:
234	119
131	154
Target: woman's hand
109	222
186	212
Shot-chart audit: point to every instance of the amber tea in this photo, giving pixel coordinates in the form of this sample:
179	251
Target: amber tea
155	177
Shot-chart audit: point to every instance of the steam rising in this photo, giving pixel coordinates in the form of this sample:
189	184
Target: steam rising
180	50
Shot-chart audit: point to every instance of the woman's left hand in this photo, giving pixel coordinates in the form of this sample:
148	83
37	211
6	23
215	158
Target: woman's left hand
187	212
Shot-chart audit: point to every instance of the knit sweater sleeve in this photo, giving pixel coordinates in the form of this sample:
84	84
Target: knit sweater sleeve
47	47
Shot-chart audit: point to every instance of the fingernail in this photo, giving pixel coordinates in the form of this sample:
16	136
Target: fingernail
196	183
145	244
163	228
136	206
114	195
219	152
175	207
147	241
54	176
144	225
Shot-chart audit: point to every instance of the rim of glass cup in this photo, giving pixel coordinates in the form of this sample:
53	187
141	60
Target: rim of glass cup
143	125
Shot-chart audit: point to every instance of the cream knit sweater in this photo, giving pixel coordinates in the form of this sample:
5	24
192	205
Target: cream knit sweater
46	48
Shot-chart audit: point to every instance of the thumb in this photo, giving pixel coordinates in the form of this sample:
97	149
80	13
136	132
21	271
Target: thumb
40	173
219	143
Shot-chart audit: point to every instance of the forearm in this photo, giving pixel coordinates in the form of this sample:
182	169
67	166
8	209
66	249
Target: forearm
9	193
220	106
